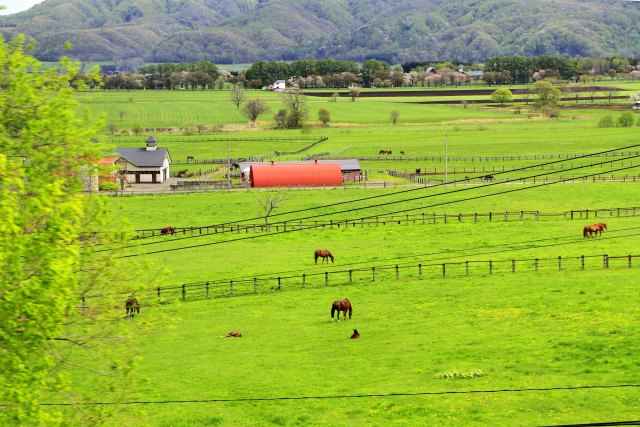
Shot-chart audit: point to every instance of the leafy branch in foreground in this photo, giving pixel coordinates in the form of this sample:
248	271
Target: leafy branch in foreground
50	331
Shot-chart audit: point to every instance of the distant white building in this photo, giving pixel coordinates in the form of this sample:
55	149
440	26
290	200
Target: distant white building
280	86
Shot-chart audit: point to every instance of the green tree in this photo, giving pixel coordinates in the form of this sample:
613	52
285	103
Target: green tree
51	258
354	93
547	96
254	108
237	95
297	109
324	116
394	115
372	67
502	96
605	122
626	119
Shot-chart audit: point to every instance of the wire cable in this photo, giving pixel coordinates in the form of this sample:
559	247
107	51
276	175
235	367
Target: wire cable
349	396
373	216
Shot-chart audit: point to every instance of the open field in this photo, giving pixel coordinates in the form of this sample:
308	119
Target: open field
506	346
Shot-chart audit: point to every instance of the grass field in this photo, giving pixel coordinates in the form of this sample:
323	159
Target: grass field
554	346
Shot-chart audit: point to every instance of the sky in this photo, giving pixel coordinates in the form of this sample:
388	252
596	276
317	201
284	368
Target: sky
15	6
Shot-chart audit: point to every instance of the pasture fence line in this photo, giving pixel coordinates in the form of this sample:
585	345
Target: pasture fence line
511	158
141	140
404	219
425	180
204	187
430	272
503	168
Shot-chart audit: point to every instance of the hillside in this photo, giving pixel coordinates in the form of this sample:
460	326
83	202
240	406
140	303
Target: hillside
237	31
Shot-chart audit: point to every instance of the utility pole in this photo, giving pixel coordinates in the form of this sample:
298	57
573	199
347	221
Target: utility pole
229	162
446	158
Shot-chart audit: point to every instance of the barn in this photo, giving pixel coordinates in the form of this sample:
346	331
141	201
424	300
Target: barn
295	174
144	165
349	168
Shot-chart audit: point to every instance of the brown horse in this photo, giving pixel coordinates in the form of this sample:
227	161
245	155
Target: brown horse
167	230
132	306
355	334
594	229
324	254
341	305
487	178
384	152
601	227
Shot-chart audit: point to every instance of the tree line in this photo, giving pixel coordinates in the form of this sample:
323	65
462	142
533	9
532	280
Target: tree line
331	73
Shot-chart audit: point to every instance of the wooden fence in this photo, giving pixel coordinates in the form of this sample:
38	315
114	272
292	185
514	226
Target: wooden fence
428	272
406	219
441	159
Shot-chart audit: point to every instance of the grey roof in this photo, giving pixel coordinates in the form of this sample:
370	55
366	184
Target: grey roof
142	158
345	164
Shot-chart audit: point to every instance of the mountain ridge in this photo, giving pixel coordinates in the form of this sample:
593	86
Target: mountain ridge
239	31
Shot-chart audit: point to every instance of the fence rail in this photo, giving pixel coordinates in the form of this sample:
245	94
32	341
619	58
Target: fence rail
489	158
407	219
429	271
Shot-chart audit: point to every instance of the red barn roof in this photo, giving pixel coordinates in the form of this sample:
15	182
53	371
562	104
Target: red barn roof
291	175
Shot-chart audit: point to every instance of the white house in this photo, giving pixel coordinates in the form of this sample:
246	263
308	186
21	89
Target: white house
280	86
144	165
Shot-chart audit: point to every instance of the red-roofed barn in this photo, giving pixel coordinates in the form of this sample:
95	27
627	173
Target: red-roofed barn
294	175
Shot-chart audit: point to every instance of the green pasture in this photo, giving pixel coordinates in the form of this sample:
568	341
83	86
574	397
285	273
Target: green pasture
494	347
126	110
230	255
444	346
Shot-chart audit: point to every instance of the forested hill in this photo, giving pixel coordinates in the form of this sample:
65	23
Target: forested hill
237	31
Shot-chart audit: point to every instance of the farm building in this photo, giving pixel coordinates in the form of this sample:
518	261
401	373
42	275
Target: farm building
144	165
278	86
295	174
349	168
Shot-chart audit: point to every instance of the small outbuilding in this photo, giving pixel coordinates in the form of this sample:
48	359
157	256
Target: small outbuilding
144	165
295	174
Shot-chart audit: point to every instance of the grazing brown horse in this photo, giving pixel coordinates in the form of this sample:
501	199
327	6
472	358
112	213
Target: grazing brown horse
355	334
402	153
341	305
167	230
487	178
232	334
384	152
190	158
594	229
601	227
132	306
324	254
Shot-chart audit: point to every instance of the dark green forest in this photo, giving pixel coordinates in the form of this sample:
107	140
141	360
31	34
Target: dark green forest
395	31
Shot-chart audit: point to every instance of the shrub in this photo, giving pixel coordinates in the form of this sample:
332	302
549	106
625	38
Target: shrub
605	122
626	119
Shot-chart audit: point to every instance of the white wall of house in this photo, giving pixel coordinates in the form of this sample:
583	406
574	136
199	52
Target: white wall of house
145	175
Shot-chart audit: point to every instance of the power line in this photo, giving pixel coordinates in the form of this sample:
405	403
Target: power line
413	199
388	213
437	185
348	396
